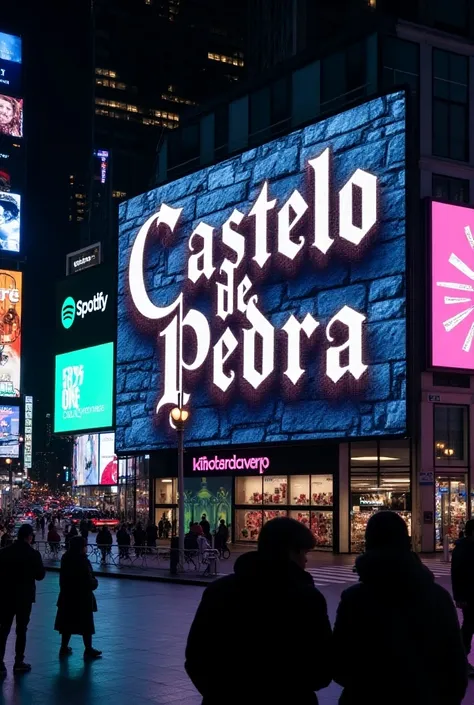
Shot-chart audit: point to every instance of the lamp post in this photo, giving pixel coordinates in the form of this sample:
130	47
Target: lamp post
179	417
10	482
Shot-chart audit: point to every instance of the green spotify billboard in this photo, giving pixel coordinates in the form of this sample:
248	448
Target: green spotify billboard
83	390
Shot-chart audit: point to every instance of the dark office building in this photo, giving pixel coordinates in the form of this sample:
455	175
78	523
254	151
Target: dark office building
148	62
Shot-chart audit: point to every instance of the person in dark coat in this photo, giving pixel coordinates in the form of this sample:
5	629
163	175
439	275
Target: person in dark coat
139	538
20	567
43	526
263	582
73	532
397	626
84	529
462	579
76	602
104	541
123	541
206	527
151	534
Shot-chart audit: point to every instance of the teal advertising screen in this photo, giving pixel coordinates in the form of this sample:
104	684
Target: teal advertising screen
83	394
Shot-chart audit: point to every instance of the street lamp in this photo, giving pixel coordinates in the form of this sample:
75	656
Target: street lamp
179	417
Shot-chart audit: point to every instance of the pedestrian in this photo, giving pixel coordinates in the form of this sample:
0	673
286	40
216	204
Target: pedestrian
264	581
151	534
411	629
222	536
84	529
67	537
167	528
7	538
123	541
76	602
73	532
38	524
206	527
43	526
20	567
104	541
202	542
54	540
161	527
462	578
139	538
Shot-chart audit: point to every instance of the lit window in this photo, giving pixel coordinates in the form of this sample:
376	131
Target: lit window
225	59
106	72
119	194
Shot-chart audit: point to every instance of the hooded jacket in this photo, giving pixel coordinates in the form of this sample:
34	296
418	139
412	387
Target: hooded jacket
462	571
397	637
268	620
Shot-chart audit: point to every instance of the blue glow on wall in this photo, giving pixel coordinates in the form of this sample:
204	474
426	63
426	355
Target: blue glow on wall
320	215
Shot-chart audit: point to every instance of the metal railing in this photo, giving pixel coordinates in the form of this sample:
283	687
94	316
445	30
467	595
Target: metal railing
139	557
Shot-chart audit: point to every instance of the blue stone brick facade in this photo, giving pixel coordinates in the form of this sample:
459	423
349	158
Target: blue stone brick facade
371	279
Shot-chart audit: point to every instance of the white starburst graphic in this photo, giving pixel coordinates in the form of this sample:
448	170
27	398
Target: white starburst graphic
451	323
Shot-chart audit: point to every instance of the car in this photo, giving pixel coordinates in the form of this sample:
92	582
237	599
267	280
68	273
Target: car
94	517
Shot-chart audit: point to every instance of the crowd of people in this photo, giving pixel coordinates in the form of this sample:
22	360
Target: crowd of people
396	638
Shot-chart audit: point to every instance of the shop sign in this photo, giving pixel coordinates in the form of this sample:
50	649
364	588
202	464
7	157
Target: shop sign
275	292
205	464
426	477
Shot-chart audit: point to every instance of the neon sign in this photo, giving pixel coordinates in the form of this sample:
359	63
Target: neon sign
234	295
204	464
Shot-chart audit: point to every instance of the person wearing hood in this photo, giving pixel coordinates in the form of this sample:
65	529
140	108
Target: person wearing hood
271	595
397	625
462	580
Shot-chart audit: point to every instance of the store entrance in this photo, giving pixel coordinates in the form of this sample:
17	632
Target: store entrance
451	508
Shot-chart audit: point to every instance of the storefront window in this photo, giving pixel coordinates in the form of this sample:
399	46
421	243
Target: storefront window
321	491
248	490
165	490
275	490
300	493
380	481
450	423
450	509
270	514
248	523
211	496
322	528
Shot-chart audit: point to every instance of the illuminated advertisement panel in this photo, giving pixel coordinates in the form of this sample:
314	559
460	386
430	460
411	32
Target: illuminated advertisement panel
452	288
11	116
108	460
267	293
9	431
10	221
83	394
10	63
10	332
85	460
28	448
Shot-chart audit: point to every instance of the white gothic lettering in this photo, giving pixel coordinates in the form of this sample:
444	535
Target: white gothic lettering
251	353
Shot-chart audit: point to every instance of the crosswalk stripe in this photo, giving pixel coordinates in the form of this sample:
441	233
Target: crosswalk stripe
343	574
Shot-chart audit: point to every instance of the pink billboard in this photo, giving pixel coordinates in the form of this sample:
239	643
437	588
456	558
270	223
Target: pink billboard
452	286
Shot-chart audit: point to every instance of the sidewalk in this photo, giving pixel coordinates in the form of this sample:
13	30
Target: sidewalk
195	577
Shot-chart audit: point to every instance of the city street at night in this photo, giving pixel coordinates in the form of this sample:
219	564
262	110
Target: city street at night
142	629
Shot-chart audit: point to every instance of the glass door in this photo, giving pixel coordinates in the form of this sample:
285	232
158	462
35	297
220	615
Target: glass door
450	509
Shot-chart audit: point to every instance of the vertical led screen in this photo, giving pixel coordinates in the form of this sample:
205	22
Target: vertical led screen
452	287
9	431
10	63
267	293
10	221
11	116
10	332
85	461
28	449
108	459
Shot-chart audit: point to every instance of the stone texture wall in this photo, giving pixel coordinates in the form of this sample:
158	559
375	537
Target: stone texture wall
370	279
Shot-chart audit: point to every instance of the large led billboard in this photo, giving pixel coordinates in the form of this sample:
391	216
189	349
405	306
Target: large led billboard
94	460
86	309
9	431
452	287
10	63
83	395
10	332
268	292
11	116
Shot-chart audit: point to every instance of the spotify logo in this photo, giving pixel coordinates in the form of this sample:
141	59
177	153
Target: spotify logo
68	312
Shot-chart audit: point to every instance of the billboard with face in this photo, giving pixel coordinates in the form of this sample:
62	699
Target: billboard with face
9	431
11	116
452	288
267	293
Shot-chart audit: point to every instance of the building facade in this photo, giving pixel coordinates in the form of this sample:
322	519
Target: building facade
427	473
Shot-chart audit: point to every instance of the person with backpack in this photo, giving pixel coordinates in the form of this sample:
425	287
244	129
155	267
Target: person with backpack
397	625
